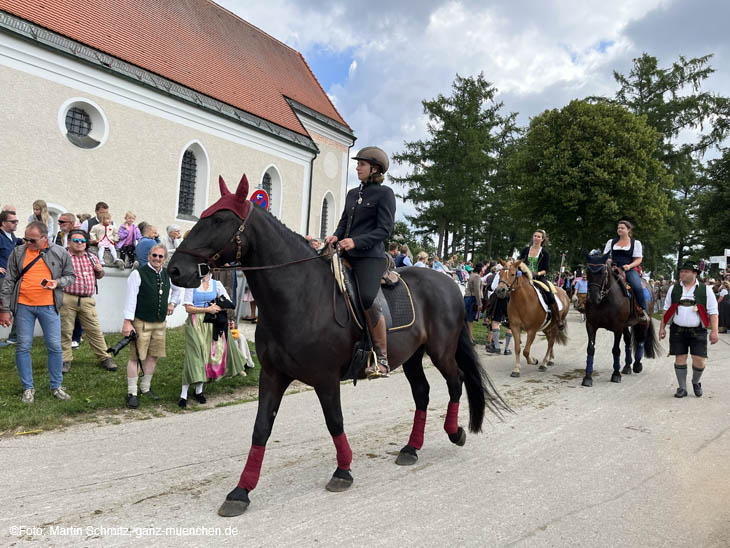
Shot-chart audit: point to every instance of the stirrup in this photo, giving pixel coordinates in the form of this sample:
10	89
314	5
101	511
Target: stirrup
372	371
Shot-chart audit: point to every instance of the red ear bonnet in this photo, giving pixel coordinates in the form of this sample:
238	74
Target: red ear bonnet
237	202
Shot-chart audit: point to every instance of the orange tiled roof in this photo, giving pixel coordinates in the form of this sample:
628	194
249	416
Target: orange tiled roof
195	43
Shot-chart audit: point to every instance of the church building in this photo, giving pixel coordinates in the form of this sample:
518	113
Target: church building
142	104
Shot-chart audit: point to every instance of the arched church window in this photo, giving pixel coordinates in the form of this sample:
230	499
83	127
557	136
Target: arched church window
188	175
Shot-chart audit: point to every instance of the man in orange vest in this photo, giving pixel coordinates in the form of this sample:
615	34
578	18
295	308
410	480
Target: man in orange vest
691	309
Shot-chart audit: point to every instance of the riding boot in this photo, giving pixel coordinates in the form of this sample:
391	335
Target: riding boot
556	315
379	335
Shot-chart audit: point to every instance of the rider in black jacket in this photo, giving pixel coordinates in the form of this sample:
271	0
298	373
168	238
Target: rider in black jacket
365	223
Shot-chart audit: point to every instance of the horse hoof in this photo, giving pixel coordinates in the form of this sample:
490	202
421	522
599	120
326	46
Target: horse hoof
340	481
407	456
626	370
235	504
587	381
515	374
551	363
638	368
616	377
542	368
458	437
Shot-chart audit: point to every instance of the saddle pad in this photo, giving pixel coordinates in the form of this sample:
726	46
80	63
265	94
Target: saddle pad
549	287
542	301
400	304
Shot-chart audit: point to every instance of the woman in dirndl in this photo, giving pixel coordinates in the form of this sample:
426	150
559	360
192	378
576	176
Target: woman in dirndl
206	358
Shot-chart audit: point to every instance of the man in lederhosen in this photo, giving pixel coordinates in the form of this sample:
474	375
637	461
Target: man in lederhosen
691	309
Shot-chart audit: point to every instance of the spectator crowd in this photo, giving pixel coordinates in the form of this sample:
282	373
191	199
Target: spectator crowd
50	275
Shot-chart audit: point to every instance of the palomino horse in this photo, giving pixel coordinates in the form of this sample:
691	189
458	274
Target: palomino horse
526	313
608	307
304	333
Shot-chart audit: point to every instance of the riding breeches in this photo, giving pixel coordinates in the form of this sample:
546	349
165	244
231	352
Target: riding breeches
632	276
368	272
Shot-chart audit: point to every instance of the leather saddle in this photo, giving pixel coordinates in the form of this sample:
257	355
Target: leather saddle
620	275
394	295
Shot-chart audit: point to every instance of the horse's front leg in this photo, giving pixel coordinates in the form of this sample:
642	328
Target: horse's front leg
616	351
272	384
413	369
628	360
528	345
516	337
590	352
329	399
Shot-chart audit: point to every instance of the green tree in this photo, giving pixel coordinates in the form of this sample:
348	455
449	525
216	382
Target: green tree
714	206
672	101
581	169
458	169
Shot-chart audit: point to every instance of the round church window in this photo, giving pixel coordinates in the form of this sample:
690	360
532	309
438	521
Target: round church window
83	123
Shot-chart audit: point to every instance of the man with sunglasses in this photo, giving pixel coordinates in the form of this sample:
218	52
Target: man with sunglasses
66	222
79	303
150	299
32	290
8	242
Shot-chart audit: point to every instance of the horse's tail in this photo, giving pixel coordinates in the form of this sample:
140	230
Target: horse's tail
650	340
479	387
562	335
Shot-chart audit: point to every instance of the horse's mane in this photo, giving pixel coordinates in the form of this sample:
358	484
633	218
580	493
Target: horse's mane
286	233
525	271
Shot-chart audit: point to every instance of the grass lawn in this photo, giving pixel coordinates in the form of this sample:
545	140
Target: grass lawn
97	394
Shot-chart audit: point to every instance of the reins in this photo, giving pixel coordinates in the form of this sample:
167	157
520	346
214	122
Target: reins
209	262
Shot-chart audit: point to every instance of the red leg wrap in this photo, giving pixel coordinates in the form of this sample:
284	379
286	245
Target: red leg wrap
252	470
451	424
419	425
344	453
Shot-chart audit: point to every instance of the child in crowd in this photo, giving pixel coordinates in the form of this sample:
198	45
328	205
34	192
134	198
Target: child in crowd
107	235
129	235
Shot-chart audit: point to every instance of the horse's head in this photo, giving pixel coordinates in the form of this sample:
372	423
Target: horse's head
508	278
597	275
216	239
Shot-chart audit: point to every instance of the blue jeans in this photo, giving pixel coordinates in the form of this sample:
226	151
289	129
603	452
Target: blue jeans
25	317
632	276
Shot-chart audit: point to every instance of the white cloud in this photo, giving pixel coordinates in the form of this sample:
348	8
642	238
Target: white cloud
538	54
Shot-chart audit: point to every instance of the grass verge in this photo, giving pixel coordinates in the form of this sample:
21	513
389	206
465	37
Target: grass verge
97	394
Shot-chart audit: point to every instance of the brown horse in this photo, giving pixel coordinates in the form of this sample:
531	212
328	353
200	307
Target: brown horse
526	313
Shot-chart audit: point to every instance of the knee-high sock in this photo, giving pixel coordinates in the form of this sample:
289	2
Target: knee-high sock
132	385
495	338
507	339
199	388
696	374
184	392
681	372
144	384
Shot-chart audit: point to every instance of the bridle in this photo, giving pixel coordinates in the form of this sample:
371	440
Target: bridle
209	263
510	287
603	286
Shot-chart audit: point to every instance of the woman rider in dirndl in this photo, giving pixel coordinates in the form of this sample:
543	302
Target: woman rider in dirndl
365	224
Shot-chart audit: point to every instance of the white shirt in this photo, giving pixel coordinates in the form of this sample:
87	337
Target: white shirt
133	283
686	315
420	264
723	292
637	248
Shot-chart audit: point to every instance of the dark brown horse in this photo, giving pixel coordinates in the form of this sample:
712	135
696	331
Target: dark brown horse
299	338
526	313
608	307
